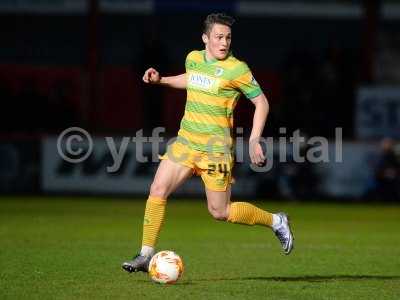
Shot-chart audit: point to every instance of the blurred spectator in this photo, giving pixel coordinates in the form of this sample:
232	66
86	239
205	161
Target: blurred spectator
385	184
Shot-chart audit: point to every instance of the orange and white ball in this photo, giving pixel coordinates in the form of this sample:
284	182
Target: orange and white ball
166	267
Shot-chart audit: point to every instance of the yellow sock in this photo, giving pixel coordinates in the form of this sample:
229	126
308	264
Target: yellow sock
246	213
153	220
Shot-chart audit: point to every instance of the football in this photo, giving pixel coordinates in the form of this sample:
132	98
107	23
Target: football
165	267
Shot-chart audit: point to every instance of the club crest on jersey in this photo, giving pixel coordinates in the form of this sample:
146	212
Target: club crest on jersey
203	82
218	71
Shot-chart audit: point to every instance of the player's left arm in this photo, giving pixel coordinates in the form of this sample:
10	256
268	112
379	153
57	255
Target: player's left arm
246	83
259	119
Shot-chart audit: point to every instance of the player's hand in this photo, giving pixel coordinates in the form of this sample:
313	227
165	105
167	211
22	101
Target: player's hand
151	76
256	153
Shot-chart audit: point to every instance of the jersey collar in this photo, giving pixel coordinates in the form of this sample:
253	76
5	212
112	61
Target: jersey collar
208	61
214	59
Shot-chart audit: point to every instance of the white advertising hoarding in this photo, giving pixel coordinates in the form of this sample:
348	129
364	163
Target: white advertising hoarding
345	178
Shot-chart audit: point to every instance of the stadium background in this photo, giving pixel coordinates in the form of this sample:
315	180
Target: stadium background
77	63
323	64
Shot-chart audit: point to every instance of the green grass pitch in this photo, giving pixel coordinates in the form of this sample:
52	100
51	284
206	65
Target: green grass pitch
72	248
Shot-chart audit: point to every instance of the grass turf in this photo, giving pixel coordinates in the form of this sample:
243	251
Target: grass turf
72	248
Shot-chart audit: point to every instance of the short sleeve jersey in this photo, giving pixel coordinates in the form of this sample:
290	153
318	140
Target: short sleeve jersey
213	89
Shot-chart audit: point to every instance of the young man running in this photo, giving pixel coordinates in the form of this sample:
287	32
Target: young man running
214	80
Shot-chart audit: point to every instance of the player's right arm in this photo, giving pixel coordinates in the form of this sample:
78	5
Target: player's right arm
152	76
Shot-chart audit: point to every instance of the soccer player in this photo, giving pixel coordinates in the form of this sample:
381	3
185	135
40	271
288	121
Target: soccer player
214	80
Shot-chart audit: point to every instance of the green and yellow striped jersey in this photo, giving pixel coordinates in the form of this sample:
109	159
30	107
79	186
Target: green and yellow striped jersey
213	88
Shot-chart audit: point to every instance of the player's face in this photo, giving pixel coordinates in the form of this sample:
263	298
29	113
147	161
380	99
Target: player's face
218	41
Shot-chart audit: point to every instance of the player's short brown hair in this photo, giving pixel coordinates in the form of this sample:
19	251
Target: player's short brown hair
217	18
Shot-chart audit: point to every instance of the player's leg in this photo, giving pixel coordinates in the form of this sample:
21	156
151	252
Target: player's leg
217	177
221	208
169	176
218	203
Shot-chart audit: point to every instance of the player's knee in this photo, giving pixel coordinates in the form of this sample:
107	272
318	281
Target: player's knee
158	190
218	214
